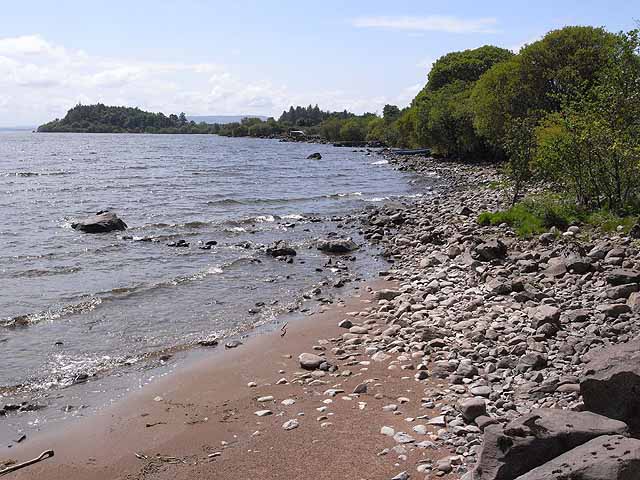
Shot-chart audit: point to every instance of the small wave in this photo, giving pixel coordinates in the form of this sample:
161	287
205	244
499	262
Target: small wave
392	197
34	174
36	272
380	162
52	314
344	195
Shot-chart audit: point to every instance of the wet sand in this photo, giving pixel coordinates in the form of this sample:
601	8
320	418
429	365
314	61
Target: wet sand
200	422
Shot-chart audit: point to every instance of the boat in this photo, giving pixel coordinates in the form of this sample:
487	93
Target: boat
416	151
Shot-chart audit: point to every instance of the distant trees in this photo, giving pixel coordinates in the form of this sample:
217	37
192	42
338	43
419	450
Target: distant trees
100	118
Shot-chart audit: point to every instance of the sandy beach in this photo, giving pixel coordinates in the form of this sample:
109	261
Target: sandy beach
200	422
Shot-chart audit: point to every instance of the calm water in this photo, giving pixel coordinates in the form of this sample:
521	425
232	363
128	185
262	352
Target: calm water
94	304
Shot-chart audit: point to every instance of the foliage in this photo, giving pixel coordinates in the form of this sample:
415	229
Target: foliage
564	62
592	148
519	144
442	118
100	118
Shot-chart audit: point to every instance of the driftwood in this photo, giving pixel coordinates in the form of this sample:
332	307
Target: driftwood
43	456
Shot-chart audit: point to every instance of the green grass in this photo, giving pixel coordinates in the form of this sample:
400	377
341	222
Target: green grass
537	215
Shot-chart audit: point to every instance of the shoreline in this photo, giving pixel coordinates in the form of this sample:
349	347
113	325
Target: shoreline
471	331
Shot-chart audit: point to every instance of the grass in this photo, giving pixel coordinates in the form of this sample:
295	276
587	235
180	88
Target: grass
537	215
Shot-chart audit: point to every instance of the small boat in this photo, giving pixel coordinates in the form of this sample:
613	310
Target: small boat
417	151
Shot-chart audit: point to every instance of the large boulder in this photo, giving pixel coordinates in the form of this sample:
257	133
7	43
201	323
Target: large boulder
337	245
623	276
543	314
609	457
532	440
490	250
611	383
310	361
101	222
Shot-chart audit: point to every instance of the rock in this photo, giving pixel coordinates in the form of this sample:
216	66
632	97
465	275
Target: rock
534	439
208	342
544	314
608	457
387	431
346	323
634	302
402	437
490	250
444	465
233	344
380	357
635	231
102	222
315	156
263	413
290	424
471	408
310	361
280	248
531	361
611	383
622	277
360	388
338	245
386	294
401	476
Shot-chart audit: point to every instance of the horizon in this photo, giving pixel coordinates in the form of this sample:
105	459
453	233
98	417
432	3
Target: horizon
357	57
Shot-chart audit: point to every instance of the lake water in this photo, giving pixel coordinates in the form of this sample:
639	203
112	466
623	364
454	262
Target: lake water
74	304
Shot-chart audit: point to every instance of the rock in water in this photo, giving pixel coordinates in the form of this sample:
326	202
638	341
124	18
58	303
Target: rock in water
280	249
338	245
102	222
609	457
315	156
532	440
611	383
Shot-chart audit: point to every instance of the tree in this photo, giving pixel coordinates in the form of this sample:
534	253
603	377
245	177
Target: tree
564	62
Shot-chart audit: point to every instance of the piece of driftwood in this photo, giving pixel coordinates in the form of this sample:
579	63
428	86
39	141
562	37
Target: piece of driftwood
18	466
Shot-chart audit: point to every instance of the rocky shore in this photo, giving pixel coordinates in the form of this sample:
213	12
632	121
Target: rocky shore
477	356
535	338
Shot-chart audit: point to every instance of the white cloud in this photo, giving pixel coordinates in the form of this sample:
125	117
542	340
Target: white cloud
431	23
40	81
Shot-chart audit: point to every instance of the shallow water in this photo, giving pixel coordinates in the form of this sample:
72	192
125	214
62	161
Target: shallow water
73	304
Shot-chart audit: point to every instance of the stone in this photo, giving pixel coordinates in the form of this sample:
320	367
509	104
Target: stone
310	361
531	361
544	314
608	457
611	382
380	357
102	222
388	431
623	276
401	437
263	413
337	245
532	440
634	302
490	250
232	344
346	323
360	388
290	424
315	156
280	248
471	408
386	294
401	476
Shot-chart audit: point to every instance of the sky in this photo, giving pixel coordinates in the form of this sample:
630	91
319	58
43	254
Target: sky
210	57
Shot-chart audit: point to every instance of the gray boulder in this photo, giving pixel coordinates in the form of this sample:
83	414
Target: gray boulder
337	245
609	457
310	361
280	248
490	250
623	276
315	156
611	382
544	314
532	440
102	222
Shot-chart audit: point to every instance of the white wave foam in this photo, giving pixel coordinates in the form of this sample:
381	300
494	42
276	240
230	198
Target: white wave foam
380	162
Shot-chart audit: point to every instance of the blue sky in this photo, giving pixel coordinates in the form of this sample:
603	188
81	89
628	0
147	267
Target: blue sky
253	57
